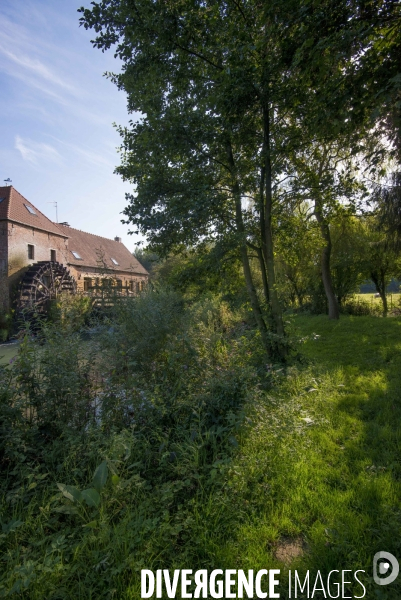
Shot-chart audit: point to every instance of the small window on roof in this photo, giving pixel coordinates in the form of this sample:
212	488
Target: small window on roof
76	255
1	199
30	209
113	260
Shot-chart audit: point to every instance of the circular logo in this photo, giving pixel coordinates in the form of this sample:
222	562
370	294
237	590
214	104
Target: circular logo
380	569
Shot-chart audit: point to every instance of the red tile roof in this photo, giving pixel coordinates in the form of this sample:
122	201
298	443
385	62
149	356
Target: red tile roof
13	208
97	251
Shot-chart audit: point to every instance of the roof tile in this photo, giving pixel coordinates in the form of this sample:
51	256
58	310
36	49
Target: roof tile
13	208
97	251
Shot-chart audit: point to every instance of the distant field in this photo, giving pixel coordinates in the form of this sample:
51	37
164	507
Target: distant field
7	352
393	299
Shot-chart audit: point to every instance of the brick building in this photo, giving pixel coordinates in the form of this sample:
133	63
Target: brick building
27	237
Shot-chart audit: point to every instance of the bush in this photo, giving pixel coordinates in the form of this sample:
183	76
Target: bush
158	393
71	312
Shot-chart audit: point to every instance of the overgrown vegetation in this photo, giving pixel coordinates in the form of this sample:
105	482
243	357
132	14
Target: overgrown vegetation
160	438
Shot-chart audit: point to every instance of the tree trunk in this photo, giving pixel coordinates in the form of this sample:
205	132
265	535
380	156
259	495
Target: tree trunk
264	276
253	297
383	297
380	285
262	251
267	236
297	293
334	312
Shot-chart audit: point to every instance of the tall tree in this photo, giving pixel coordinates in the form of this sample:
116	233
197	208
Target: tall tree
214	83
326	176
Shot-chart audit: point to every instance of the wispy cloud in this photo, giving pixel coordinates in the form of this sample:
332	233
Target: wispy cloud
106	159
36	152
36	67
49	71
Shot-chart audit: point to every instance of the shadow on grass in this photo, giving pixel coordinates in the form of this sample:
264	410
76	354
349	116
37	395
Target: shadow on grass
335	485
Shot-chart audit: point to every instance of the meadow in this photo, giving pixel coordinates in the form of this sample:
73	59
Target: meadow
374	300
217	460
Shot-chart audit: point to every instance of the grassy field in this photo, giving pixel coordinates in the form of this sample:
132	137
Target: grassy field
393	299
8	352
314	483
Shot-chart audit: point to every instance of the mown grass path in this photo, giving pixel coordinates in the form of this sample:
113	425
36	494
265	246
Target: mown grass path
318	482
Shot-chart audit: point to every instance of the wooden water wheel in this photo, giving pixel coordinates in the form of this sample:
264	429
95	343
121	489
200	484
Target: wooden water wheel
42	282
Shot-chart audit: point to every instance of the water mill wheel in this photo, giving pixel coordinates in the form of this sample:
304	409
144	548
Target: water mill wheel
42	282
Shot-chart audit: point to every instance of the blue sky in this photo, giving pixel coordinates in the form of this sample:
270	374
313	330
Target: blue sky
56	115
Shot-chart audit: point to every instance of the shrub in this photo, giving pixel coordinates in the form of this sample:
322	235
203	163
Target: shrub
71	312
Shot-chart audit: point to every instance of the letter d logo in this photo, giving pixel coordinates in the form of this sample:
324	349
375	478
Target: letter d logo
384	568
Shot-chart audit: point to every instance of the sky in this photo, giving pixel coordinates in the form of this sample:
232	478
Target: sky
57	110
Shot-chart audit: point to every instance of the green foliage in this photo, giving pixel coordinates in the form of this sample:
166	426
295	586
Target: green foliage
382	262
205	468
147	258
299	246
348	256
300	261
213	269
156	399
70	312
89	497
6	324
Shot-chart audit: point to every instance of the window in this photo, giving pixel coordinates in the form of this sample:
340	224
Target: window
76	255
1	199
87	283
53	255
31	252
30	209
113	260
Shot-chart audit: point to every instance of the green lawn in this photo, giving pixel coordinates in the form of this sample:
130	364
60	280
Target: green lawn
320	467
315	483
8	352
